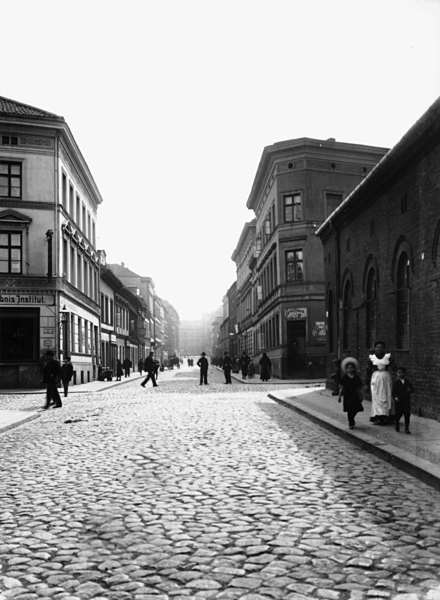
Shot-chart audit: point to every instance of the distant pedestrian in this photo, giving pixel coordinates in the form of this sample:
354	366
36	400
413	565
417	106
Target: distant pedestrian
244	363
67	373
119	370
402	390
141	365
227	367
52	376
150	369
127	364
350	389
203	364
251	372
156	368
266	367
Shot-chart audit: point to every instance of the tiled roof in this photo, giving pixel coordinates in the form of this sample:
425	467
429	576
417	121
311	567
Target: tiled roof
11	107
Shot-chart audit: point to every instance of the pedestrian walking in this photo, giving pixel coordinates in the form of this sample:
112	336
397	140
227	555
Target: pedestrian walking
203	364
401	391
244	363
156	368
141	365
266	367
350	389
127	364
150	369
119	370
66	374
227	367
380	383
52	376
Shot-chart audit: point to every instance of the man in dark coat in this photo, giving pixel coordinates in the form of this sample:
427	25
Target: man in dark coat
51	376
127	364
203	364
150	369
67	372
227	367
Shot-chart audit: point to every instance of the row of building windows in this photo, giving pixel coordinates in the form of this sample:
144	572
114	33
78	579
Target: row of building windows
402	302
74	206
267	335
79	271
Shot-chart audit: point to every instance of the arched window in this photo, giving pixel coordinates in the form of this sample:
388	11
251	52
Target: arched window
402	301
330	317
346	307
371	306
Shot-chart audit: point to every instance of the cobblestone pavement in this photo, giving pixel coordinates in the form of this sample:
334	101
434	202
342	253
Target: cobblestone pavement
188	491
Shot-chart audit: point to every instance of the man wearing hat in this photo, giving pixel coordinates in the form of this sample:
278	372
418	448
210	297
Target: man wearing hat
52	374
227	367
150	368
203	364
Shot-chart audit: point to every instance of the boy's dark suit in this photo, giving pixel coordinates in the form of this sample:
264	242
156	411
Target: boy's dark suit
402	390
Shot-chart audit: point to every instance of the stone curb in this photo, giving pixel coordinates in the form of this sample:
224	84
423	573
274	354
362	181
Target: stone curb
405	461
19	421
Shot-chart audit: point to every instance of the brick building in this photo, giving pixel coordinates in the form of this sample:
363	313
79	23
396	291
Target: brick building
382	263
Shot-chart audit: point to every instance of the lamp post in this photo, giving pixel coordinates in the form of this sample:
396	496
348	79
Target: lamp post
64	318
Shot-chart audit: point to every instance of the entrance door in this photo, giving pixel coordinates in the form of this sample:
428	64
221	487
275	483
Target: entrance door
296	349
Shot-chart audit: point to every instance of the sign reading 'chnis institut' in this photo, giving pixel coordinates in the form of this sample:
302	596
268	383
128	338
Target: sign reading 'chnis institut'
25	299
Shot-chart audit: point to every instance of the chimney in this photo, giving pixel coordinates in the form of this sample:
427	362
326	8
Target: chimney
122	264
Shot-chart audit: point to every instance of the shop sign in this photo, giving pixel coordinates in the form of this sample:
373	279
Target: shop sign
296	314
319	331
26	299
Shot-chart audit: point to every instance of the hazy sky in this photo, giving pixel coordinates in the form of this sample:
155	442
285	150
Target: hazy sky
172	103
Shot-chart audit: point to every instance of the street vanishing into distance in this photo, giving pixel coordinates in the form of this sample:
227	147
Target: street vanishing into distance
209	492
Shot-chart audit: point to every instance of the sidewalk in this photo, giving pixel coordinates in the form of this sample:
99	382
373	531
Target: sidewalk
256	380
417	454
13	418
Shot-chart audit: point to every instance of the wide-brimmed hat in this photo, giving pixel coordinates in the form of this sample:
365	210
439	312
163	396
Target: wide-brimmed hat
347	361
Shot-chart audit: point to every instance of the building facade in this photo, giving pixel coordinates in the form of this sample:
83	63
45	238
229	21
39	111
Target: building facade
281	290
49	269
382	263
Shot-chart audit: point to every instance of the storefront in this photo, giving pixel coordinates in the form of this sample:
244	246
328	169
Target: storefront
28	329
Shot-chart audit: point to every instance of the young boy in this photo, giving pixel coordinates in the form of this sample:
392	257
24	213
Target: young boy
402	390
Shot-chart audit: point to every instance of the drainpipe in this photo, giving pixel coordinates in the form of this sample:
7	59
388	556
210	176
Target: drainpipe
337	287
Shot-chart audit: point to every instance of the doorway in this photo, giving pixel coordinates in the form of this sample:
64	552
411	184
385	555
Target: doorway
296	349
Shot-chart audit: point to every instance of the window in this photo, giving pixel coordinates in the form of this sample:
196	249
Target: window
84	222
64	190
71	202
403	204
371	306
346	309
10	180
10	252
9	140
294	265
93	233
78	211
332	201
292	208
402	297
89	227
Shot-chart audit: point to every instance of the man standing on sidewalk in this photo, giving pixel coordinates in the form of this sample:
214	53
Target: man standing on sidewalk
227	367
150	368
51	376
203	364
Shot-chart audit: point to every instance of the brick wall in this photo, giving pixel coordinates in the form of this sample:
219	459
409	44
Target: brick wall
376	229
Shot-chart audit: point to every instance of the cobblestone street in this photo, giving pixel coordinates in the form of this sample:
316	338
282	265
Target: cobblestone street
207	492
